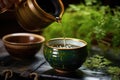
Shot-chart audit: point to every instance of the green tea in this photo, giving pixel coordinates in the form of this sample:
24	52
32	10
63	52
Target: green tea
68	46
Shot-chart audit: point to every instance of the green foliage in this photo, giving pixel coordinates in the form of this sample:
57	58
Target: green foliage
97	62
88	23
114	70
77	22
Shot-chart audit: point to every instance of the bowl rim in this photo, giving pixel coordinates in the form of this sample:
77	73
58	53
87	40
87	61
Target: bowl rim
23	34
68	38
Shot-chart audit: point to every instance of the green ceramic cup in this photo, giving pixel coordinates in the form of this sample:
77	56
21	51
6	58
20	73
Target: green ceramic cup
65	54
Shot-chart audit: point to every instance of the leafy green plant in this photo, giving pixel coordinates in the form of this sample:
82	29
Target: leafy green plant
88	23
97	62
94	24
100	63
75	23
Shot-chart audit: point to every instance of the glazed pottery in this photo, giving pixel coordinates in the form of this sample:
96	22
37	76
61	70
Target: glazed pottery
35	15
22	45
65	54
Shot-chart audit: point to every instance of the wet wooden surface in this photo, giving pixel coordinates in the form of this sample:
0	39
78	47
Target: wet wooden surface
22	69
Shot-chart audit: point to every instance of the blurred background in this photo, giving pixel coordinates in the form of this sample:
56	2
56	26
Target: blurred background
96	21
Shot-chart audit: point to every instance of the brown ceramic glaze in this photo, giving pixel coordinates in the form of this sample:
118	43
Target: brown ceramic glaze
23	45
35	15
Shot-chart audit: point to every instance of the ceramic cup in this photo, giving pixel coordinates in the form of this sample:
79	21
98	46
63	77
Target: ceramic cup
65	54
23	45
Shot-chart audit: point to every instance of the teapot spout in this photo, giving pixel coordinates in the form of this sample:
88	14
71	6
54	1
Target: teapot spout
59	8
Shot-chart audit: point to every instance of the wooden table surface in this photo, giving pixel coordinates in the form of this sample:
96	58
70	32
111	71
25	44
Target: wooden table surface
21	70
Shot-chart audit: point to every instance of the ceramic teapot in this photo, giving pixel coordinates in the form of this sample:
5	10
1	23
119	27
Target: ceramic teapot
34	15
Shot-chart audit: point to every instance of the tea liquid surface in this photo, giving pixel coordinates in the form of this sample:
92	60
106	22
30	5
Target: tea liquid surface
65	46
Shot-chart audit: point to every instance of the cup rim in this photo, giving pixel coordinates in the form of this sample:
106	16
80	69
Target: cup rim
23	34
61	38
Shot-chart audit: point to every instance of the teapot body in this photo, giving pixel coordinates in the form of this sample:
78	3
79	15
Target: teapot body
35	15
